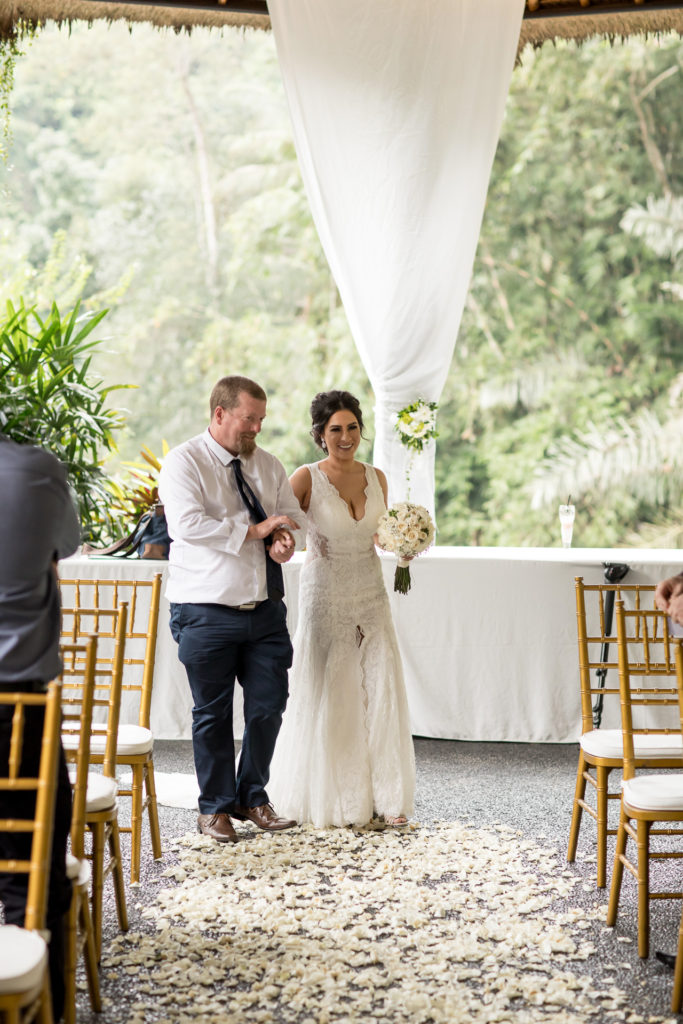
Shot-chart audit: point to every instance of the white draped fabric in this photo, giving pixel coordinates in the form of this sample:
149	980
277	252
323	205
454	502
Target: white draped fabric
396	108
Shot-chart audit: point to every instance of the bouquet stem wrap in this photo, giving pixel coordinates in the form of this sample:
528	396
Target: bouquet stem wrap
402	579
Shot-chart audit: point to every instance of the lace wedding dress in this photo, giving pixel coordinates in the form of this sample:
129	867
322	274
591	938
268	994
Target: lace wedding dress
345	750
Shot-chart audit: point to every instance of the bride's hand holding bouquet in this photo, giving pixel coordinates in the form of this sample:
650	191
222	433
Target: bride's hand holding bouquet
406	530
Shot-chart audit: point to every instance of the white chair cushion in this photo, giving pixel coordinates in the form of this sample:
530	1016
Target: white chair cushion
78	870
101	793
609	743
654	792
133	739
23	959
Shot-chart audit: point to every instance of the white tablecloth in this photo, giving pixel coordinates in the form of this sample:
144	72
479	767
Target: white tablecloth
487	635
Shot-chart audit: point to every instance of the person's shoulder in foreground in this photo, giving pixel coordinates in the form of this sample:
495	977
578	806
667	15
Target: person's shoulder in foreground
38	518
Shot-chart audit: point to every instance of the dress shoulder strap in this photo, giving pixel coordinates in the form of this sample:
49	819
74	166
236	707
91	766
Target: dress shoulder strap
374	487
316	472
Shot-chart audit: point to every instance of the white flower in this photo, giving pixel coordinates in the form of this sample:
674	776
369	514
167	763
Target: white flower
436	924
405	529
416	424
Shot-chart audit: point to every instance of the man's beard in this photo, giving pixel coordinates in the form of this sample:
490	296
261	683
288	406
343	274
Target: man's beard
247	445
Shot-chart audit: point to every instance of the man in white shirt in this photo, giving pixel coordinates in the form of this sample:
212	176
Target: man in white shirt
231	512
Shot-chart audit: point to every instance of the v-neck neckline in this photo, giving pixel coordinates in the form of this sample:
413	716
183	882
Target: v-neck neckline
343	500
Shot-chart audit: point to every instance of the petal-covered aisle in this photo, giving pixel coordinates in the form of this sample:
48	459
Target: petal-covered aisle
440	922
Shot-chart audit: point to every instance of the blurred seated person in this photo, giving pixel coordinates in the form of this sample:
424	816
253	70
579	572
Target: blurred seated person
38	526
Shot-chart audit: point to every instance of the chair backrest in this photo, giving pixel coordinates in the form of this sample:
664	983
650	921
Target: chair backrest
143	599
678	658
647	684
44	785
79	624
78	695
597	640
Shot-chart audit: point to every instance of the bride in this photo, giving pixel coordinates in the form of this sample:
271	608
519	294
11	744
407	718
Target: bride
345	752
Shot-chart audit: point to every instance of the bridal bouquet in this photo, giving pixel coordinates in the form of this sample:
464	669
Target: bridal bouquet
406	530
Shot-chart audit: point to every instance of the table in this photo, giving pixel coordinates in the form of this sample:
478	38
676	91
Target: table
487	637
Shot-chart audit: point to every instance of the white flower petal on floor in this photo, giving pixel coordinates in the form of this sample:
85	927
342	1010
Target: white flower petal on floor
439	924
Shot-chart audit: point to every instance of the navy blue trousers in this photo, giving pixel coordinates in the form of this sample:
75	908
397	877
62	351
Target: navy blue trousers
218	645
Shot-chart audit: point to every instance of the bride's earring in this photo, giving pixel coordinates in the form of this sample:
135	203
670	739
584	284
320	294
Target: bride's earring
323	446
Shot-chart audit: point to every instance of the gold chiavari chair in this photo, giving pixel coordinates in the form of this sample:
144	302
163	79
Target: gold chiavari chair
78	694
646	663
135	742
24	977
101	811
677	992
601	749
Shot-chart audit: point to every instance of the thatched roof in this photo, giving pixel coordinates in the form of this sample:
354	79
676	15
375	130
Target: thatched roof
543	19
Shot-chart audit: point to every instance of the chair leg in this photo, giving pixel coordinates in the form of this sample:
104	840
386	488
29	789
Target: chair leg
602	778
45	1014
119	885
90	955
579	794
677	993
136	822
70	958
97	830
617	871
153	811
643	842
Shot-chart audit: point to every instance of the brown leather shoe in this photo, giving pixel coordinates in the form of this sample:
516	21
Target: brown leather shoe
263	817
218	826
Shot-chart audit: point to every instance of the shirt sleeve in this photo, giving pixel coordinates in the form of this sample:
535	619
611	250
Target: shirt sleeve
288	505
69	532
180	491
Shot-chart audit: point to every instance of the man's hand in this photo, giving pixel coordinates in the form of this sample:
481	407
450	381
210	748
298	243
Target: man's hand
259	531
670	592
676	609
282	548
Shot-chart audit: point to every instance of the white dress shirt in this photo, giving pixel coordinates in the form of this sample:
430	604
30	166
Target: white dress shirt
210	560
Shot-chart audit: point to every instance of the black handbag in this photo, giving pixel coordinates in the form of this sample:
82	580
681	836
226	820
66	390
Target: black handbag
148	539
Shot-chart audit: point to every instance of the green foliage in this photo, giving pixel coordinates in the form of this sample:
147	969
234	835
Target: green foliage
565	372
186	215
11	48
136	490
50	397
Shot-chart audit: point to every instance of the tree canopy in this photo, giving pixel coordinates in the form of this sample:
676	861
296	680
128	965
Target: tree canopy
155	174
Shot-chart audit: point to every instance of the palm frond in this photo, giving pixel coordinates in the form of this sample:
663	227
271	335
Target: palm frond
642	455
659	223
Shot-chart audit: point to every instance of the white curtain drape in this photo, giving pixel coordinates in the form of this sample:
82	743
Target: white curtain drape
396	108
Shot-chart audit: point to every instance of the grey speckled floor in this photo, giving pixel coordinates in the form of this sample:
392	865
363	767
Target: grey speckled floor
527	786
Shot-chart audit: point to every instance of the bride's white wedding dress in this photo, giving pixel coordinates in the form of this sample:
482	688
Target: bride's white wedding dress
345	750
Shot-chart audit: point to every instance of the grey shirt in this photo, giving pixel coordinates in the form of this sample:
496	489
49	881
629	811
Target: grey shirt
38	525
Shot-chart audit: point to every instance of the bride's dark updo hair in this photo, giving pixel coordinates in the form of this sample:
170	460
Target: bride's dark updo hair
326	404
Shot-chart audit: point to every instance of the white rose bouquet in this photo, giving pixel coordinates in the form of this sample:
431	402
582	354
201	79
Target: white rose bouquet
406	530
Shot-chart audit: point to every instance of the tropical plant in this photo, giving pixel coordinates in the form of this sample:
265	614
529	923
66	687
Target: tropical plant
50	397
186	217
136	490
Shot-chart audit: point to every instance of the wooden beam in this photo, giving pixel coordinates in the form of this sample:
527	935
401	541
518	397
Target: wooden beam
532	9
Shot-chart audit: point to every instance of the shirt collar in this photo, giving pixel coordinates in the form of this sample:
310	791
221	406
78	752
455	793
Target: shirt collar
221	453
